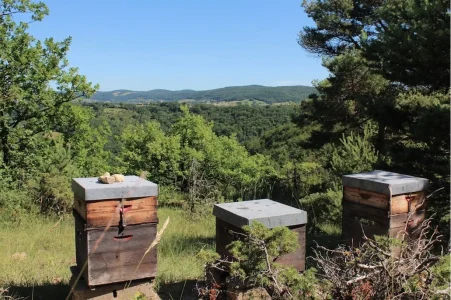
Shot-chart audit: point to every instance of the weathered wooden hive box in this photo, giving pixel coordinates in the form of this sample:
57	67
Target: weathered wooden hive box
231	217
382	203
114	225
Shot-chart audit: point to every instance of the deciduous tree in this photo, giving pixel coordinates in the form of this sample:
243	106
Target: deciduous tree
36	81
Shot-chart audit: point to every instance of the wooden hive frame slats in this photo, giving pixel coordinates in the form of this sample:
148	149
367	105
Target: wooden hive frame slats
112	255
380	214
395	204
103	212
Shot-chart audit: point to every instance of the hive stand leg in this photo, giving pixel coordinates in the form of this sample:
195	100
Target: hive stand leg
110	291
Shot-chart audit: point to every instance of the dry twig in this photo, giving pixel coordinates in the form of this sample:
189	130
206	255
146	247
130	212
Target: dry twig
382	265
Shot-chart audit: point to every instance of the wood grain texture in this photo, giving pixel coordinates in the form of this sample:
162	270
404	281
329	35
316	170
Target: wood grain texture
405	203
113	255
351	210
366	198
110	291
409	223
359	220
100	213
354	223
353	229
296	259
397	204
226	233
412	220
379	214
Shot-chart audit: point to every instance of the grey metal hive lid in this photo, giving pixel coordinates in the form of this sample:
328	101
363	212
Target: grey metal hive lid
90	189
268	212
384	182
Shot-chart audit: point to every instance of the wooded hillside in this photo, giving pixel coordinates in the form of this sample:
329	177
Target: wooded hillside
251	92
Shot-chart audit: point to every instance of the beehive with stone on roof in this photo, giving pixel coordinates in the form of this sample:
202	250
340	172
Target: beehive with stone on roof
114	225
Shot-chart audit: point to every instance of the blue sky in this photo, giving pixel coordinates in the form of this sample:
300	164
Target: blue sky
172	44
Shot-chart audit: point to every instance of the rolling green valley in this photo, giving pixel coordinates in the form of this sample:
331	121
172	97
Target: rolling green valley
253	93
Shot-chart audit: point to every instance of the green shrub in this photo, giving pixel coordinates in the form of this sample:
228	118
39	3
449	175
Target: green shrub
253	264
322	208
355	154
50	184
16	202
169	195
16	205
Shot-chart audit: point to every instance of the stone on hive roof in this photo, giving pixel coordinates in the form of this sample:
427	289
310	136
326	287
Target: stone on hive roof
90	189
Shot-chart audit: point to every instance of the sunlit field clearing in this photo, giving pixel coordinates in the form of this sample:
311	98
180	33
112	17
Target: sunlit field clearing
38	251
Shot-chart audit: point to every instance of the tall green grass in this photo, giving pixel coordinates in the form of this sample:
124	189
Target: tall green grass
38	251
182	240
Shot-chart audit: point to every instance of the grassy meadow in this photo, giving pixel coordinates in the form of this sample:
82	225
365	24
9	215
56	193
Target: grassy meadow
37	253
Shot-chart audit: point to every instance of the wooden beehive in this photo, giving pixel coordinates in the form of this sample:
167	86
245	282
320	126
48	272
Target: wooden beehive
231	217
114	226
382	203
81	291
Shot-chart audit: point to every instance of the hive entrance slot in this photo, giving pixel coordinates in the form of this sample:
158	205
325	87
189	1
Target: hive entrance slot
125	208
365	196
123	237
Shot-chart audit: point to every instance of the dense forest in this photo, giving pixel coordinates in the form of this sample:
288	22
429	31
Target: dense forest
247	123
385	105
263	94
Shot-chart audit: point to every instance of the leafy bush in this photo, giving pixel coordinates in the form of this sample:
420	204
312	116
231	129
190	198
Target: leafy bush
169	195
322	208
50	184
16	205
15	200
253	263
355	154
169	157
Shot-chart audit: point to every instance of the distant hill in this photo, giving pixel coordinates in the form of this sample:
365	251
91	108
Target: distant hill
234	93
